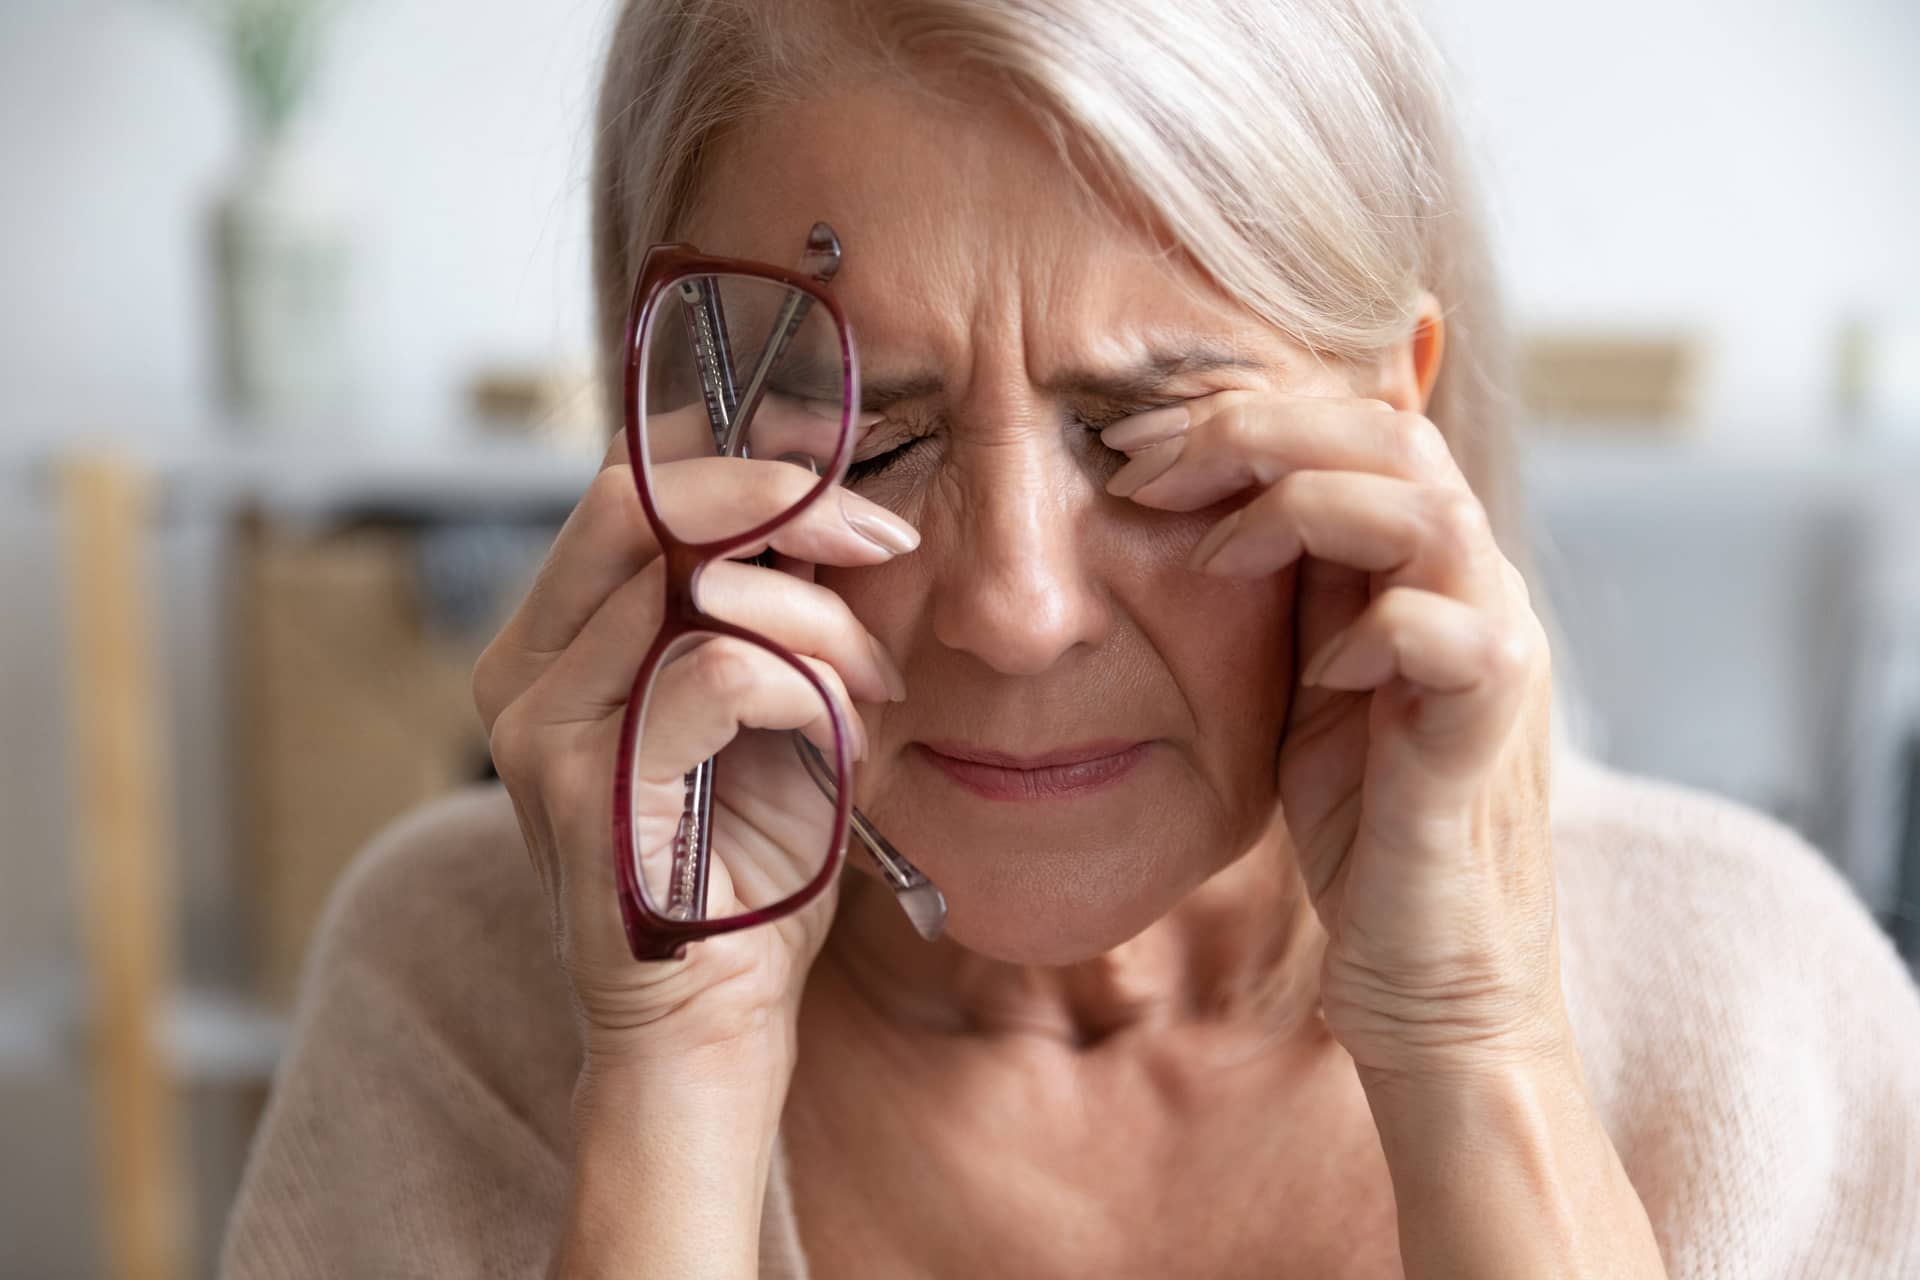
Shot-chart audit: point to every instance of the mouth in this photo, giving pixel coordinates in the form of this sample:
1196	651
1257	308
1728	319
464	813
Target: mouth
1066	773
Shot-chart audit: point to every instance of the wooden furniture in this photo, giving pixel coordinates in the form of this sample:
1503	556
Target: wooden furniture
125	860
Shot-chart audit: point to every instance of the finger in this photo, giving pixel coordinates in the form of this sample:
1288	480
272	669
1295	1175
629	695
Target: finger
780	425
805	617
684	431
707	499
1237	440
607	538
798	427
1431	537
594	676
606	541
1328	598
1466	673
700	700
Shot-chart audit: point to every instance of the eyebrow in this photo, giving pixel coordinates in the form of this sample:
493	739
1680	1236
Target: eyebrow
1122	383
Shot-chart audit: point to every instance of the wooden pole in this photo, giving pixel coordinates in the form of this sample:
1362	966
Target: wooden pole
124	859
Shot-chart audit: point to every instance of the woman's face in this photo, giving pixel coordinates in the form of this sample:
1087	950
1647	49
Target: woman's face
1005	323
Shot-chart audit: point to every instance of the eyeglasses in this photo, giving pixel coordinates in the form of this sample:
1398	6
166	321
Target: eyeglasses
721	825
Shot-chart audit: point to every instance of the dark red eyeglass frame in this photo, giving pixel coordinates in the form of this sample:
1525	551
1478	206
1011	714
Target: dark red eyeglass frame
650	934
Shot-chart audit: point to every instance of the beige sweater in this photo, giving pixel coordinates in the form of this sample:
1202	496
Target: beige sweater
1752	1038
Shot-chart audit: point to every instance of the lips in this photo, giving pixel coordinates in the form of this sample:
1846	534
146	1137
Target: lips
1053	775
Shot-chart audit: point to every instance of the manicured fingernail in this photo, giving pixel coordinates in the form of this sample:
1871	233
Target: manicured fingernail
877	524
889	670
1147	428
1147	466
1211	544
1317	668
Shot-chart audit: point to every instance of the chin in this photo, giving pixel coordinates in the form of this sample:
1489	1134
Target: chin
1040	907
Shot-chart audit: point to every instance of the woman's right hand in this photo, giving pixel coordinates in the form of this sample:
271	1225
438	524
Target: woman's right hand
552	689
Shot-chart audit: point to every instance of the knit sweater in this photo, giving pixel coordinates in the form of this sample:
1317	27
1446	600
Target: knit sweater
1751	1039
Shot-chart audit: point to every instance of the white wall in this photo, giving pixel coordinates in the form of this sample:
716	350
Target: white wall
1745	165
457	130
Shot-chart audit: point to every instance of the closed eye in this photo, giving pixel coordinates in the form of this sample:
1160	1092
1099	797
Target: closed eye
918	434
881	463
1091	422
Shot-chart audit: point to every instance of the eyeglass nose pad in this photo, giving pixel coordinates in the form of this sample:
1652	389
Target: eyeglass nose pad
806	460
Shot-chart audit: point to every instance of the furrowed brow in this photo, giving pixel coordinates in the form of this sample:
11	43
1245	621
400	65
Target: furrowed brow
1124	382
1148	376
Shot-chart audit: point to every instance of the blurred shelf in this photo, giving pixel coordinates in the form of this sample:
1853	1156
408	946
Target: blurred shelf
472	469
303	478
1582	446
205	1036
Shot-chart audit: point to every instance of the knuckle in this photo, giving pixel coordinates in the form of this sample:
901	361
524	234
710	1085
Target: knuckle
1291	489
1460	518
724	670
572	781
1234	427
1397	607
1517	584
1419	444
482	684
1510	650
503	671
611	489
510	742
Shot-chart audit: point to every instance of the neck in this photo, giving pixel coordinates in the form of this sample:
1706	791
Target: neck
1242	951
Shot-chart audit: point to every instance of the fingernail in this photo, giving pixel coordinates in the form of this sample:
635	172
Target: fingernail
1146	467
1215	539
1332	649
889	670
877	524
1146	428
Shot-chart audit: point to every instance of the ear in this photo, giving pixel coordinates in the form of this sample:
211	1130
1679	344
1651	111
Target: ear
1407	369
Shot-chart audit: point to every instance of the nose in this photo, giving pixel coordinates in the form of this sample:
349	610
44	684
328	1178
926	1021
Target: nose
1021	589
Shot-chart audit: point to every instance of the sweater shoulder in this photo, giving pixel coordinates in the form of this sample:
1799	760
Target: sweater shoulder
420	1115
444	914
1751	1036
440	924
1695	883
441	876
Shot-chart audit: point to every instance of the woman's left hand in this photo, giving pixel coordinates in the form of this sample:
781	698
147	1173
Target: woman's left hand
1414	773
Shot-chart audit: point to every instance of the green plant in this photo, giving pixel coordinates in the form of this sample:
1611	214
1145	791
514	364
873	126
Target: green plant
273	48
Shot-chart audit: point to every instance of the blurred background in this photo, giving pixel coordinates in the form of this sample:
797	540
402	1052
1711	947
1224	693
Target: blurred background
296	356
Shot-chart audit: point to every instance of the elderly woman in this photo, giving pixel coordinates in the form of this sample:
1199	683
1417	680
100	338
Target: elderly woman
1035	750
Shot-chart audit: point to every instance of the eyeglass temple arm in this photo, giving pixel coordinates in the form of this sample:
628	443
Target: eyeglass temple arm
918	896
822	260
693	839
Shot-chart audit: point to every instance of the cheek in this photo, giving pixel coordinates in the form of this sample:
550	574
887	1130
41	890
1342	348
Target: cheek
886	598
